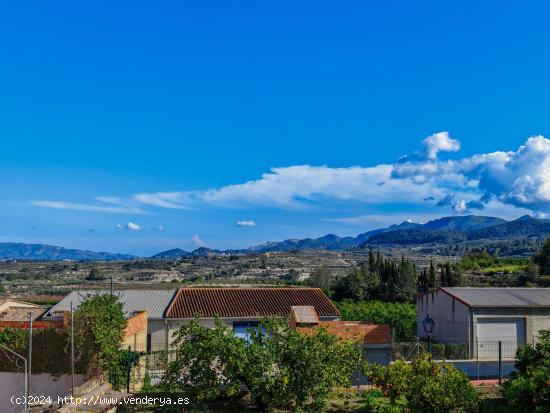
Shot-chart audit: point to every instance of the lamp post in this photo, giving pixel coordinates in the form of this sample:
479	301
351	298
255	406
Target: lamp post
429	326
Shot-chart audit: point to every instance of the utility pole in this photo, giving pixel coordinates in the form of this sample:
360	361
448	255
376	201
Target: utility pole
30	353
72	349
112	286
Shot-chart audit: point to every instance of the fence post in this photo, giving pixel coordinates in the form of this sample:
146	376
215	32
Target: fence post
499	362
477	357
128	371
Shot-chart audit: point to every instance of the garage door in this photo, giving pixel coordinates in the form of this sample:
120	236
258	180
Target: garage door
511	331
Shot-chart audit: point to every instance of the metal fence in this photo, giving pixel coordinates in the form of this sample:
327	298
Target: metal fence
493	359
487	359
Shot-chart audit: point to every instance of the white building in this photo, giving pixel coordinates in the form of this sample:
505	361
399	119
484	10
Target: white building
481	317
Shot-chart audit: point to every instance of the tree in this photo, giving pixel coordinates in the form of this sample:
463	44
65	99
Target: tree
358	284
543	257
279	366
423	385
423	281
321	278
431	275
208	362
401	316
99	326
295	368
533	271
451	276
403	283
94	274
528	389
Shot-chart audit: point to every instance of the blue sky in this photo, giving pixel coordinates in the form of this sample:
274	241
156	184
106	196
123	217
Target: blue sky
158	115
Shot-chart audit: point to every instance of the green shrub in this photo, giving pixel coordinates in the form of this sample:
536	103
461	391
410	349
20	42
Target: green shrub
374	401
401	316
439	350
279	366
424	386
528	389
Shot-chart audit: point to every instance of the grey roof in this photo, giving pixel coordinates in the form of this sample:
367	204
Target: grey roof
154	302
501	297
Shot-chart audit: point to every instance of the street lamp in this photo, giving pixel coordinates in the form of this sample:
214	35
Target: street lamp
429	326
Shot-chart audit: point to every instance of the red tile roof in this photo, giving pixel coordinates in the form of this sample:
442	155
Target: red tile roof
354	330
247	302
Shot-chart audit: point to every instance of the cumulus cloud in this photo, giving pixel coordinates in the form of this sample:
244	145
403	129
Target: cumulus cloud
517	179
245	223
460	206
197	241
130	226
297	187
520	178
440	142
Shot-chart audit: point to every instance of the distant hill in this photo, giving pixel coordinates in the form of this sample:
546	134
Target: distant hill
442	231
199	252
20	251
474	229
173	253
447	229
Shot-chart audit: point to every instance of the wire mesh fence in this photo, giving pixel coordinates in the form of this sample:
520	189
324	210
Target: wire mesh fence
484	359
487	359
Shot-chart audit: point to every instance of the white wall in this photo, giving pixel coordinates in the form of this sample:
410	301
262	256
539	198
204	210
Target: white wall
452	318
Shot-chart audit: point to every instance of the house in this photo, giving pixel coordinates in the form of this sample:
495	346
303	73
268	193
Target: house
154	302
376	339
17	314
243	308
481	317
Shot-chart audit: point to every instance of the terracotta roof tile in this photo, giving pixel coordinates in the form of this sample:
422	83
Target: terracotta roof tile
355	330
247	302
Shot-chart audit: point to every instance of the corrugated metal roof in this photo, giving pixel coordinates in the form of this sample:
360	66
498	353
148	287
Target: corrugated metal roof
500	297
247	302
154	302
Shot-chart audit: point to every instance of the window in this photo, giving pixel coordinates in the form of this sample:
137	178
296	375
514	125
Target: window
242	328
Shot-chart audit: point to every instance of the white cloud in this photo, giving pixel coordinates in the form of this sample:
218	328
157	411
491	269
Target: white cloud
383	220
197	241
440	142
296	187
519	179
245	223
174	200
130	226
460	206
73	206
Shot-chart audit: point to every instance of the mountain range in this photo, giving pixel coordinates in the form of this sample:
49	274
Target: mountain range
446	230
20	251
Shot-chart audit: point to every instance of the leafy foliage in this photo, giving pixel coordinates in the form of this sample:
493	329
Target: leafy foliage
50	350
543	257
207	361
528	390
279	366
424	386
99	331
379	278
401	316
